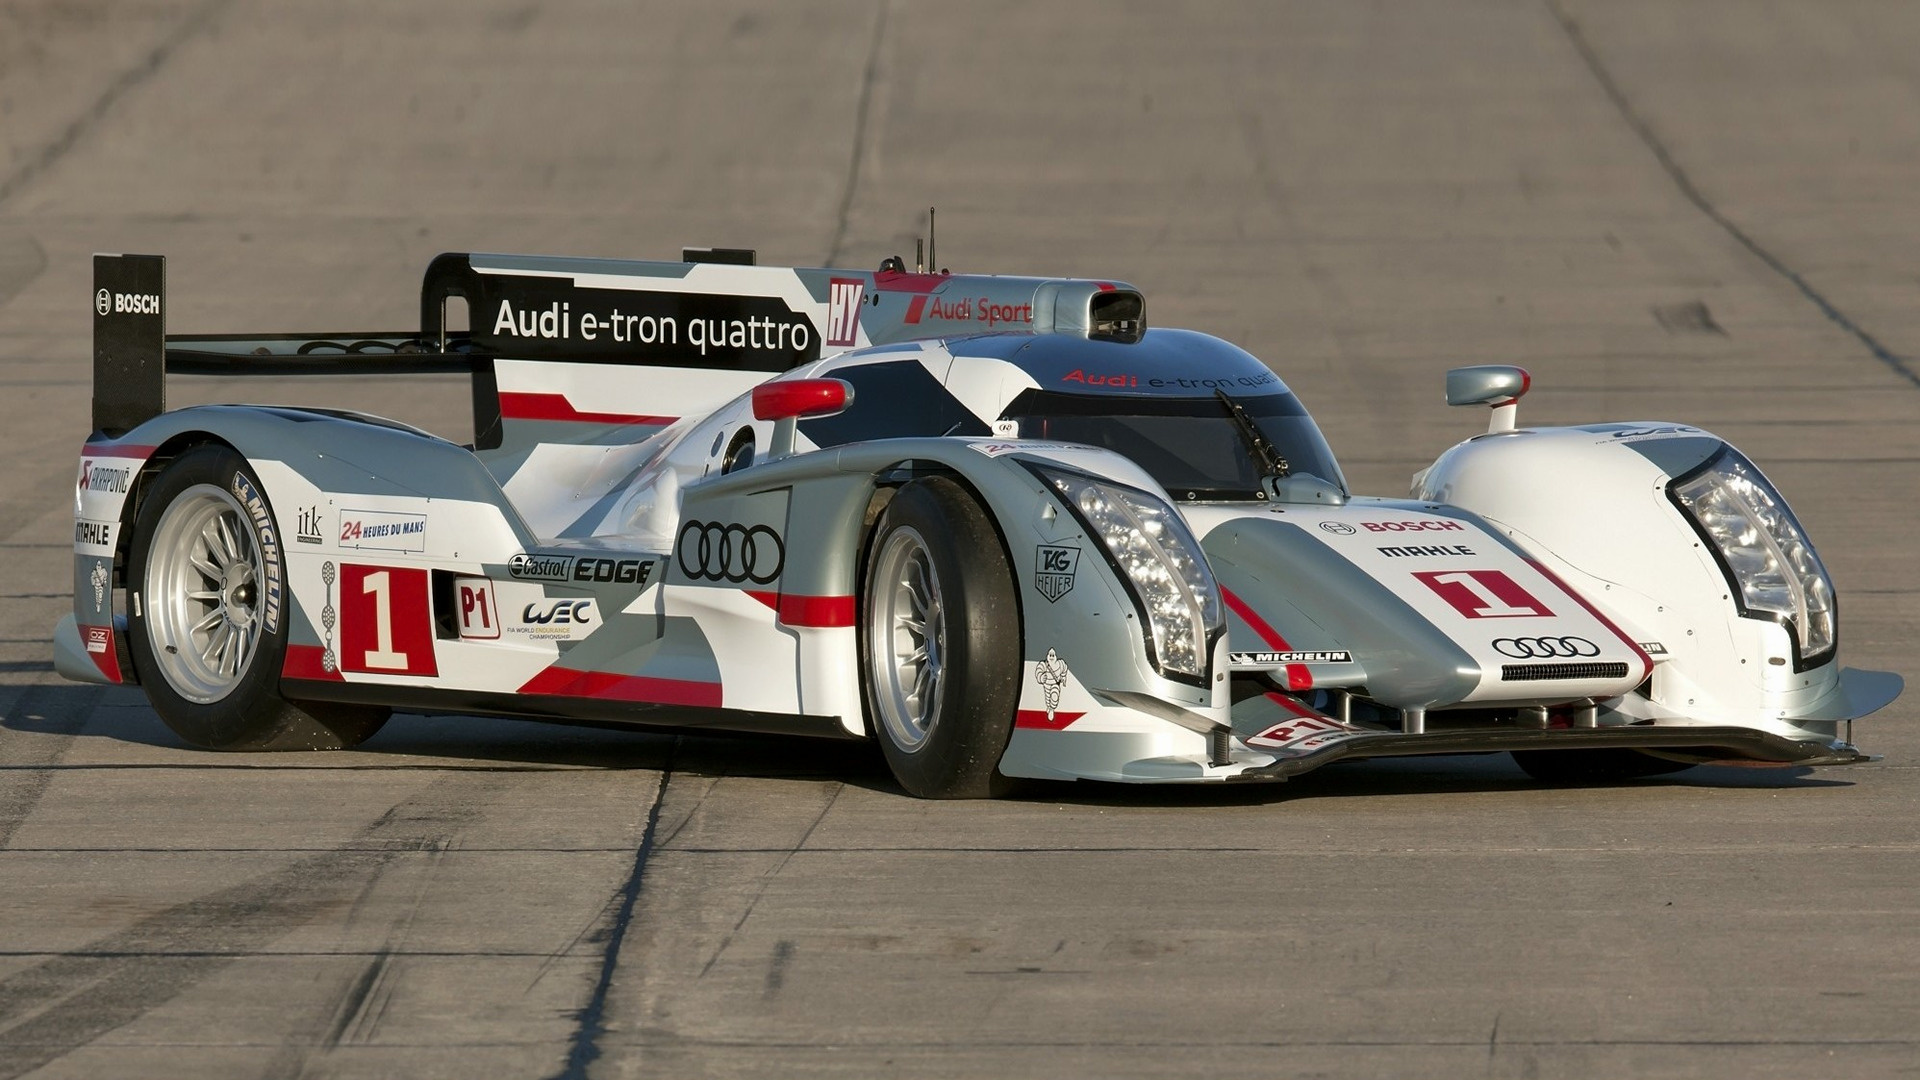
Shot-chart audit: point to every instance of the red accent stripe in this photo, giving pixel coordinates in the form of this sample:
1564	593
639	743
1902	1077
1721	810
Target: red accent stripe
1291	705
140	453
914	309
1252	618
1646	662
306	662
1037	718
795	610
1298	676
521	406
913	283
558	681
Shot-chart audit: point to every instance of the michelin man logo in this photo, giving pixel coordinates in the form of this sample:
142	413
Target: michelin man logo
99	577
1051	674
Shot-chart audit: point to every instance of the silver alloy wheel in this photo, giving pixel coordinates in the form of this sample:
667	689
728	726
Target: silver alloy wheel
906	627
202	594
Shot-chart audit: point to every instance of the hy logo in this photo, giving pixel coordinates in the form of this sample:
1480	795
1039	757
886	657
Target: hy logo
843	310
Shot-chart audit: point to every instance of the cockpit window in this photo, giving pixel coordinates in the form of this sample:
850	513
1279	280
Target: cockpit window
1190	445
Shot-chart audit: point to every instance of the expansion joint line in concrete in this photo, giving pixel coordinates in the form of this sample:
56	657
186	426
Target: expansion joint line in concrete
867	79
1692	194
591	1021
127	80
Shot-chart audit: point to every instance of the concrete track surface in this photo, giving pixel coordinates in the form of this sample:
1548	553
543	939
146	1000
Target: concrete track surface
1704	211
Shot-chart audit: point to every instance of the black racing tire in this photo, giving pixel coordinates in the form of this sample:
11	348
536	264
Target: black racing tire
936	562
206	638
1596	766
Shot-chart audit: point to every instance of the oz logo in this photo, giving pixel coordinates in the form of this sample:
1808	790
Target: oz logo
1053	570
103	302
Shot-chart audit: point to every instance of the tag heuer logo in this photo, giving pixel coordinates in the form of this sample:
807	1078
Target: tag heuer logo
1053	571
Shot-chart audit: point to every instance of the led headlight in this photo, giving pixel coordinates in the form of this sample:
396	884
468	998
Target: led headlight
1159	559
1764	552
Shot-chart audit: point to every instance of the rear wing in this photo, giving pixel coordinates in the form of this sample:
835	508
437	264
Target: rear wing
713	309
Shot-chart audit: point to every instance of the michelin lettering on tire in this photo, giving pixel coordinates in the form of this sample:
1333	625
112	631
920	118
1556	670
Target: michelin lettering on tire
269	540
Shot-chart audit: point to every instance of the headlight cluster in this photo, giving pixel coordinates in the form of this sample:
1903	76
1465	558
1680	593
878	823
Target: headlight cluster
1161	561
1762	548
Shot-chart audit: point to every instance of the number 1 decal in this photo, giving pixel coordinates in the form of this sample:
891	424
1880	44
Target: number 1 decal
386	623
1483	594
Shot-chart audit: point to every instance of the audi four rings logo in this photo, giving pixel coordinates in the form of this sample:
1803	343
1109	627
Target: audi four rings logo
1541	648
711	551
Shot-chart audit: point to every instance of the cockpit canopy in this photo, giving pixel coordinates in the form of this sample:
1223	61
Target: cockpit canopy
1166	401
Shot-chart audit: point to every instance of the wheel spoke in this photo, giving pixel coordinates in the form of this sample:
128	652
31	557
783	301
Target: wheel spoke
205	566
216	551
210	595
210	620
228	541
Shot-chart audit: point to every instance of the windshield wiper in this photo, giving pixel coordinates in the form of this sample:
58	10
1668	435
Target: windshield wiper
1271	463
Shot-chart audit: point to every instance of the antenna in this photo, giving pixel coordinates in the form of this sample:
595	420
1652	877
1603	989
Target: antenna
933	261
919	255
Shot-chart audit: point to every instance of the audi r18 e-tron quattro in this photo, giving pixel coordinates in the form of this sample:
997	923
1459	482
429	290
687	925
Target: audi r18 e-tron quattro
996	524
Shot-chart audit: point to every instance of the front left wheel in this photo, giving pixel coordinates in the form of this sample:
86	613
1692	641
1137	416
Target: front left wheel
940	643
208	613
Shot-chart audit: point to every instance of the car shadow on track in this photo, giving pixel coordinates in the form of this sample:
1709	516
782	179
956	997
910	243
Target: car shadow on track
1433	775
119	716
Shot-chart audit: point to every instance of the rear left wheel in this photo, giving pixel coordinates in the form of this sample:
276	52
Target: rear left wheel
207	625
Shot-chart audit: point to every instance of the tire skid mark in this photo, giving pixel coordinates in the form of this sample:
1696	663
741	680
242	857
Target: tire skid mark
1684	183
127	80
767	879
591	1020
869	75
74	998
35	768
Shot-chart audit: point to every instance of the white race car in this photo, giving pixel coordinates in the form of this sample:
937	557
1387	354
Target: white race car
995	524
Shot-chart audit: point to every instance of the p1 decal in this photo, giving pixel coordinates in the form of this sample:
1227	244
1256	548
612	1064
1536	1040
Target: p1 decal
843	309
386	623
479	612
1302	733
1483	594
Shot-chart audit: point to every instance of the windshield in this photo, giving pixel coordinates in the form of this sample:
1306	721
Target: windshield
1190	445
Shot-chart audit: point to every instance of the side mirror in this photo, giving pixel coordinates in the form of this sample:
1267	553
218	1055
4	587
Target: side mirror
1496	385
785	401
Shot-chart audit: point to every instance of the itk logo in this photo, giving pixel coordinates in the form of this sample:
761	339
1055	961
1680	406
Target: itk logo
1483	594
309	529
843	310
